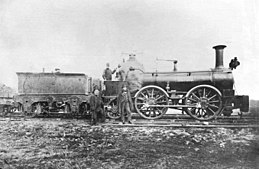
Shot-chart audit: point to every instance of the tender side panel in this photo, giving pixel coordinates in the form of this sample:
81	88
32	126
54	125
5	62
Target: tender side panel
52	83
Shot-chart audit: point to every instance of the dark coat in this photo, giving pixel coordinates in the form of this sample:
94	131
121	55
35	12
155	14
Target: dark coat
121	99
107	74
95	102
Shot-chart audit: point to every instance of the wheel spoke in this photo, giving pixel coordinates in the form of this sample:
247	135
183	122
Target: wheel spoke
204	92
208	93
212	105
193	110
212	110
198	112
204	112
149	113
143	95
148	93
196	96
154	112
193	99
152	93
159	97
212	97
159	111
201	112
141	98
214	101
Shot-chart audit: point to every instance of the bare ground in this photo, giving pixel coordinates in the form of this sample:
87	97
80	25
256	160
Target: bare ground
74	144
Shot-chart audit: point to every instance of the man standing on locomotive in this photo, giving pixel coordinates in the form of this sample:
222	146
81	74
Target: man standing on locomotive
107	73
96	107
125	104
234	63
120	74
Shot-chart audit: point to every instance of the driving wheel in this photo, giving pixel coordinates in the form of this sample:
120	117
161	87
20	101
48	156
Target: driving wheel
150	101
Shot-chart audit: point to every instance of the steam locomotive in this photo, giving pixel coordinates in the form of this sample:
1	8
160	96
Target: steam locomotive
203	95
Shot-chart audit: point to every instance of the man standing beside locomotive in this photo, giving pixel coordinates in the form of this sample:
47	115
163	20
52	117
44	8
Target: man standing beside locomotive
96	107
107	73
125	104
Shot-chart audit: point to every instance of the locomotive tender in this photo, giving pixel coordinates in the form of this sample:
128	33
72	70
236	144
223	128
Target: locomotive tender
203	95
53	92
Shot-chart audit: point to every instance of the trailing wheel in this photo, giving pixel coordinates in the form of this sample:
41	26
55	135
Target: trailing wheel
112	110
149	102
204	101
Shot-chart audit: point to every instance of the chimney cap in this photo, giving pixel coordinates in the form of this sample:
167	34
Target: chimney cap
219	47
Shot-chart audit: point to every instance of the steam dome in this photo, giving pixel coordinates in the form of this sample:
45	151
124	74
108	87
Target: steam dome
134	78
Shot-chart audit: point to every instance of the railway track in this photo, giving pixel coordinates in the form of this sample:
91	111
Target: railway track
170	120
188	122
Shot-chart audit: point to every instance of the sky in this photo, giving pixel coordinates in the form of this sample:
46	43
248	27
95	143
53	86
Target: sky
83	35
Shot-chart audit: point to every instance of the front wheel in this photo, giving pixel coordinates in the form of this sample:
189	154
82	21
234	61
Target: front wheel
204	101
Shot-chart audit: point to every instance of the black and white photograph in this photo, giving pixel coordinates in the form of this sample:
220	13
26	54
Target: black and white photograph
129	84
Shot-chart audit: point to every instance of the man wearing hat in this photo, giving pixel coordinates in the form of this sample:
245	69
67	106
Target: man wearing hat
107	73
120	74
96	107
125	104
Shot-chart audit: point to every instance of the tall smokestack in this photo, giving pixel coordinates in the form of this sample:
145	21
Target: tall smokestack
219	56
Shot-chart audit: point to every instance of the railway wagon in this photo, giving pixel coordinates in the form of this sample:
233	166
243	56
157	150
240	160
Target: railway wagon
203	95
6	99
6	105
53	92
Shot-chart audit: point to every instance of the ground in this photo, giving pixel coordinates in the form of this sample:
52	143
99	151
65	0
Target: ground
53	143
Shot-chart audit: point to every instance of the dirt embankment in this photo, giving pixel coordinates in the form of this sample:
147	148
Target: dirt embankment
75	144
